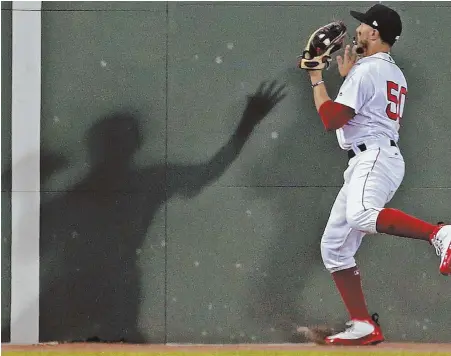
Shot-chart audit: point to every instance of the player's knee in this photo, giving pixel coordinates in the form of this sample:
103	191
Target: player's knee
355	218
333	259
326	254
324	251
362	219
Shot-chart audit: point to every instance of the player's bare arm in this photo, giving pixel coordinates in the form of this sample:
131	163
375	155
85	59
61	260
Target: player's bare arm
333	115
319	89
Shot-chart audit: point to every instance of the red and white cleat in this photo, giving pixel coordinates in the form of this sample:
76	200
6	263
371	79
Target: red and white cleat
359	333
441	239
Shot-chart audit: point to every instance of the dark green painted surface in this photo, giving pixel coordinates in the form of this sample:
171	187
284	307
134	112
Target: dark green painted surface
6	171
256	269
234	256
7	5
103	120
104	6
102	269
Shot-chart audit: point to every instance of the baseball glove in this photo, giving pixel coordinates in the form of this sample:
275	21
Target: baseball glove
322	43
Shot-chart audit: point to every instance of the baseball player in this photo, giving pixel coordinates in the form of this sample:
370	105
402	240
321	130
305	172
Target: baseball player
366	115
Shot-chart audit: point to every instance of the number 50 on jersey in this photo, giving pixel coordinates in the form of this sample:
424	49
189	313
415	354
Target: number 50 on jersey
396	96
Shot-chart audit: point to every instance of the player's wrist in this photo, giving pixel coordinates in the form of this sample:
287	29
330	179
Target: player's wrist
315	76
319	82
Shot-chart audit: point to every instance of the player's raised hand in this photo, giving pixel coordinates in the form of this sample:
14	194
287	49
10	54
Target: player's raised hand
346	62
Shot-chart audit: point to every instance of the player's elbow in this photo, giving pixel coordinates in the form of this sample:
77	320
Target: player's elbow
335	115
332	126
328	125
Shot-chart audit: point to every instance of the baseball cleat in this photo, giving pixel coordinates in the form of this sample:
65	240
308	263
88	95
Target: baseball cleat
359	333
441	239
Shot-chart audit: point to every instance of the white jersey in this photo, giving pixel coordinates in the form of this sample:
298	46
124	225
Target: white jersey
376	89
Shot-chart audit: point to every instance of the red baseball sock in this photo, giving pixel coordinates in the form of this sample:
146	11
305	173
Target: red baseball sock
350	287
395	222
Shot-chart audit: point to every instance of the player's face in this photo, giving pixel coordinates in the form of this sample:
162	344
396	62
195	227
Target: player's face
362	36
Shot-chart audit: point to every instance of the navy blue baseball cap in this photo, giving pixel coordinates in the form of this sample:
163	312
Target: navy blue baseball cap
380	17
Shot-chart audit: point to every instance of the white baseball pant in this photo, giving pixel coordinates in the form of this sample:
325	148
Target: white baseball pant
370	181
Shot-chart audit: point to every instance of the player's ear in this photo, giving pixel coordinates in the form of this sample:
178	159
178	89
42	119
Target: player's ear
374	34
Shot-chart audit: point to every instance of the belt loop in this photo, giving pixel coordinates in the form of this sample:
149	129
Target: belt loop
362	147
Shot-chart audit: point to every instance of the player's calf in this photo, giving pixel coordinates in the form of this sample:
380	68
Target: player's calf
398	223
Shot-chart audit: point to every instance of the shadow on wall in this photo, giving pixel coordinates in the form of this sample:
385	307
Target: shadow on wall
90	281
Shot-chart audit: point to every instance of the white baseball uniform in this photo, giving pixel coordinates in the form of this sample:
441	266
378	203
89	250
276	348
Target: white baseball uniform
376	89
